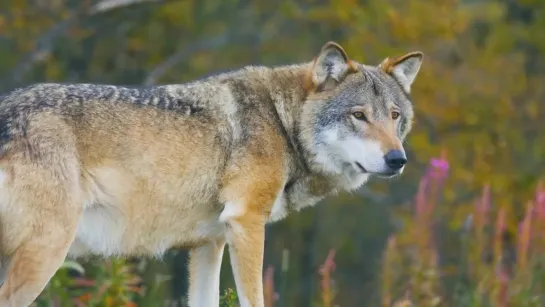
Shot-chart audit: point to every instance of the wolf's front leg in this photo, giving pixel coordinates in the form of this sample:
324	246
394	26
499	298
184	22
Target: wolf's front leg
246	239
245	215
251	183
4	262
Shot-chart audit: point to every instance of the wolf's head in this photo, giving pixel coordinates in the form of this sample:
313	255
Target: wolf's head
356	116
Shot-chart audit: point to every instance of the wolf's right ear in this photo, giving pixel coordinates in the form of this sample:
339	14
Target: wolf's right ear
330	67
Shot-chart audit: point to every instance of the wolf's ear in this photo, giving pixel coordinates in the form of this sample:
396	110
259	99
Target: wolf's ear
330	67
404	68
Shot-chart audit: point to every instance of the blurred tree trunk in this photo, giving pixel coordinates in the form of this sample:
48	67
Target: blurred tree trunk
180	273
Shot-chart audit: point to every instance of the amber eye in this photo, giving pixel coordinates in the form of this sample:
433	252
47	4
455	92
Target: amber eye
359	115
395	115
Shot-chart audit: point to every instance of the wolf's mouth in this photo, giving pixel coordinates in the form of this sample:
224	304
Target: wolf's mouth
387	175
390	174
361	167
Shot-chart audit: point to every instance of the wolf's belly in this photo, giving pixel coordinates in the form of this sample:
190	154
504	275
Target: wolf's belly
106	231
126	214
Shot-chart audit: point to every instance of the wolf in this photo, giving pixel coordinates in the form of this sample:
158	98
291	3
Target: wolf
93	169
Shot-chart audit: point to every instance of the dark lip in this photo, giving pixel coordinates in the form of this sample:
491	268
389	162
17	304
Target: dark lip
381	175
361	167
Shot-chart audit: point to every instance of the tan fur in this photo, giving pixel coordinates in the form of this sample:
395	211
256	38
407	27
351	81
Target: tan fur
386	137
388	64
111	171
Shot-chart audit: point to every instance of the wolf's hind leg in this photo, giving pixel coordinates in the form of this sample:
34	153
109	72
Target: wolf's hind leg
32	266
44	210
204	273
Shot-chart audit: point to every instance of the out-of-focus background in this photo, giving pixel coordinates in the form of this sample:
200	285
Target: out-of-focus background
462	226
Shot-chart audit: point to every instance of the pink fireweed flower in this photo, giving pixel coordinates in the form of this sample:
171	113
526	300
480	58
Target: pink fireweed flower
270	294
325	270
329	264
439	164
421	197
540	201
500	228
430	186
503	281
500	223
439	167
524	235
539	213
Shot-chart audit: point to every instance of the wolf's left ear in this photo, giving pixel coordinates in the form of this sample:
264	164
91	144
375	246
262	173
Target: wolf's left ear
330	67
404	68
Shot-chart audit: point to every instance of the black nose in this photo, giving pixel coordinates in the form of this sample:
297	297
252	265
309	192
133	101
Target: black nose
395	159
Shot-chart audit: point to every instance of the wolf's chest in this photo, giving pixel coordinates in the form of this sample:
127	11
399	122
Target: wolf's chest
280	208
297	197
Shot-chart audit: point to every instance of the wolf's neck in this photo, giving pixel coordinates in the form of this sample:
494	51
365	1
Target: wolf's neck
288	91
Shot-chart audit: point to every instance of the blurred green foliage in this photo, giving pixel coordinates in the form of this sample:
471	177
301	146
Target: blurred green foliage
479	96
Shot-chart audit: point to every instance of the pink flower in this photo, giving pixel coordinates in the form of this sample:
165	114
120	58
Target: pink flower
503	280
498	235
540	201
524	235
421	197
500	223
439	164
270	294
439	167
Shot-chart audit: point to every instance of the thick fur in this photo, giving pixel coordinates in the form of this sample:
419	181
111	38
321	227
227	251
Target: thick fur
112	171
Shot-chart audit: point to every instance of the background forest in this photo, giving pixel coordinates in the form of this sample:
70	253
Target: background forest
463	226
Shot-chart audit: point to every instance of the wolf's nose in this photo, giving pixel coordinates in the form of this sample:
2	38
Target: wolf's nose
395	159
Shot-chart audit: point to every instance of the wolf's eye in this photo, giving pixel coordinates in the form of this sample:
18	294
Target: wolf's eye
359	115
395	115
